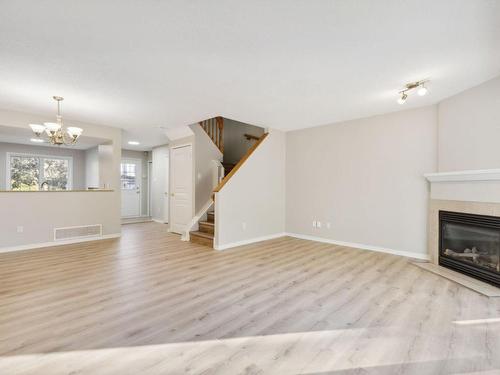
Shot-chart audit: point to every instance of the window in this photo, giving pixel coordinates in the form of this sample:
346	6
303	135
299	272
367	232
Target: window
37	172
128	176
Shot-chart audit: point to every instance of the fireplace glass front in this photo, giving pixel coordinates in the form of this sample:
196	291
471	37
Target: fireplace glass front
471	244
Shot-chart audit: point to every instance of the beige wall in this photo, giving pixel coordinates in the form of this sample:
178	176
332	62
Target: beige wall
58	209
251	206
365	178
38	213
469	129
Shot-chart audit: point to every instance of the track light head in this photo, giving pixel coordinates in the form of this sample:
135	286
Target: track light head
402	99
422	90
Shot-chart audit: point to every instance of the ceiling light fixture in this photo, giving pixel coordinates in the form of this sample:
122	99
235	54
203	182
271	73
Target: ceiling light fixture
422	90
55	131
133	143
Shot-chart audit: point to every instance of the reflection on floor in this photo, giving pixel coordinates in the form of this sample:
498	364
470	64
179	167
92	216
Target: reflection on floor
150	304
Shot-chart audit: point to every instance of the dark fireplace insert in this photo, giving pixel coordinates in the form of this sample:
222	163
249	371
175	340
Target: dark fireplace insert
470	244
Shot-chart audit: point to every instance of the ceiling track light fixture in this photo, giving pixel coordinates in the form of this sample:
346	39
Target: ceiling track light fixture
422	90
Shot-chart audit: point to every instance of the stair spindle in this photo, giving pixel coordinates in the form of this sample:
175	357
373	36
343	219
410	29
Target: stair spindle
214	128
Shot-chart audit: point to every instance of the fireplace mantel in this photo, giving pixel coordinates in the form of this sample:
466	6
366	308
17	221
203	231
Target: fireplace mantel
464	176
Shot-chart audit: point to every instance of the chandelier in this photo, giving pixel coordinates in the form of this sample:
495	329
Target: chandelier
54	131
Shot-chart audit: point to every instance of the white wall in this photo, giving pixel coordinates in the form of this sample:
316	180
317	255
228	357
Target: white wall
144	157
251	206
71	209
205	152
365	178
159	183
235	143
469	129
78	157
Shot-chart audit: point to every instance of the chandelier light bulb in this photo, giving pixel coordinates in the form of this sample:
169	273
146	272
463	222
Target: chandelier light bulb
52	126
37	128
74	131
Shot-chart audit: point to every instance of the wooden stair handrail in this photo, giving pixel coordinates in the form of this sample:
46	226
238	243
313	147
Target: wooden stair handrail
214	128
240	163
250	137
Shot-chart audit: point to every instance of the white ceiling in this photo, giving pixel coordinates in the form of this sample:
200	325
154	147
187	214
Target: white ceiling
283	64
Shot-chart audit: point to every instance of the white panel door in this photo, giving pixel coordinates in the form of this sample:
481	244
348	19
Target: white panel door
181	196
131	177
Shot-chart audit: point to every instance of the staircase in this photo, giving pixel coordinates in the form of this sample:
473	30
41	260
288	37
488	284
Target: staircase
205	234
214	128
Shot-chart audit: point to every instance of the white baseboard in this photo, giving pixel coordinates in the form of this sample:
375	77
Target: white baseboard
249	241
57	243
159	221
403	253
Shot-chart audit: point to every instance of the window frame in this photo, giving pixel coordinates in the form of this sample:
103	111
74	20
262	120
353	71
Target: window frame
8	171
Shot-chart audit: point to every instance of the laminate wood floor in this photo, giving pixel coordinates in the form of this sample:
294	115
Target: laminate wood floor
150	304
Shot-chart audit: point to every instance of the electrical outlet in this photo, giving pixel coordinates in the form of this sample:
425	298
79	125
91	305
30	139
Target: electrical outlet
20	229
328	225
318	224
244	226
314	224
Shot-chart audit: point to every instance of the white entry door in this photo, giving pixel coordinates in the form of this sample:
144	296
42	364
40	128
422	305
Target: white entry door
131	177
181	196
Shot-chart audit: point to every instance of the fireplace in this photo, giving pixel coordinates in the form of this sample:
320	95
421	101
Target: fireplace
470	244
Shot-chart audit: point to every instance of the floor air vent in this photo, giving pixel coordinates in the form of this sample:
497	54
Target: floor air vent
83	231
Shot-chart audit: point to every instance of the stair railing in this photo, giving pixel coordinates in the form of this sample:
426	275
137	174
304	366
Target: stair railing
214	128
